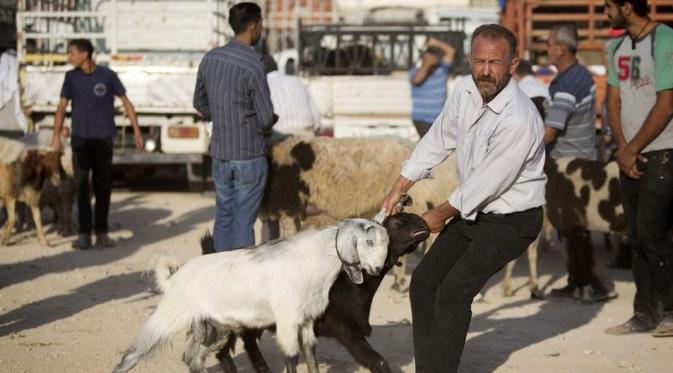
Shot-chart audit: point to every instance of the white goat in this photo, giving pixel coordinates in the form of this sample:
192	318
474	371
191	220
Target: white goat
285	282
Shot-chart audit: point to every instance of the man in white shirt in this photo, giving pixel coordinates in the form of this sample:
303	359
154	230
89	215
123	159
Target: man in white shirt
497	135
297	111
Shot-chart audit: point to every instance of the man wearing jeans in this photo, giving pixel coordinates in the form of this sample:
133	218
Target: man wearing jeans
640	113
496	212
232	91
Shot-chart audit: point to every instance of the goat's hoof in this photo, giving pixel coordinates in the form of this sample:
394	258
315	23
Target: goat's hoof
507	293
380	366
536	294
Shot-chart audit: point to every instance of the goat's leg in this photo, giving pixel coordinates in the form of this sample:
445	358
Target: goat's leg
10	206
400	282
37	218
507	281
224	355
535	292
287	336
291	363
308	343
363	353
289	225
206	337
250	338
194	356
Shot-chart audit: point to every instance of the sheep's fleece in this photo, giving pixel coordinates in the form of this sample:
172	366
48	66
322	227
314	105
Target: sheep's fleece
346	177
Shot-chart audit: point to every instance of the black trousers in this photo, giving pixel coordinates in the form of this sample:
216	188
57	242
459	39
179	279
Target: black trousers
464	256
93	156
648	205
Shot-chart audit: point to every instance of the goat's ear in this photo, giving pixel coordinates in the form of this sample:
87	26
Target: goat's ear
355	274
346	245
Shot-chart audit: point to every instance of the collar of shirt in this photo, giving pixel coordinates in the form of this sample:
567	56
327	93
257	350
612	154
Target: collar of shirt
248	49
498	103
559	75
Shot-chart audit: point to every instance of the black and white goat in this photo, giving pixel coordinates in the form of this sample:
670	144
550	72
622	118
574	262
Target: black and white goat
347	315
285	283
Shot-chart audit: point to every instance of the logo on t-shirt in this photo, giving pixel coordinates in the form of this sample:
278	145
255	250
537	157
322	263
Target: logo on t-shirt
629	69
100	90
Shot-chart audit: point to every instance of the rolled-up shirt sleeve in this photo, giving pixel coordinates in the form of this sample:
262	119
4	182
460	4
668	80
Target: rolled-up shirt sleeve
561	108
437	144
506	157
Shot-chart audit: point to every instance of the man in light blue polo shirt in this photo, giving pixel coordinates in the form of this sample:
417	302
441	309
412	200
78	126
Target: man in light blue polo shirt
428	84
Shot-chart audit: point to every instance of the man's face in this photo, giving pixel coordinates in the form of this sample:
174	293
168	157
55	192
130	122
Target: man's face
492	65
554	50
615	14
257	31
76	57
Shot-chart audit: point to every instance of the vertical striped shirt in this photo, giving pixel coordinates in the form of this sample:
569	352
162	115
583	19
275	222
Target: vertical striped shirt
428	98
572	113
232	91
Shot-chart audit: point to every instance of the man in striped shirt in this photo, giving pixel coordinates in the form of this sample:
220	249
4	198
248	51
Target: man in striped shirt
232	91
570	132
428	84
569	124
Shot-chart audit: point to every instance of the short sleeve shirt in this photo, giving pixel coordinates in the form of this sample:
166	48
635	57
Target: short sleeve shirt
92	97
640	70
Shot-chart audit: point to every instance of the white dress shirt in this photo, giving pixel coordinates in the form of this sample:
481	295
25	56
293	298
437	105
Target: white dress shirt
293	104
499	151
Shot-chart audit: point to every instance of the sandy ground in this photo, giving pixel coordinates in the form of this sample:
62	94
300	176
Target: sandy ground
73	311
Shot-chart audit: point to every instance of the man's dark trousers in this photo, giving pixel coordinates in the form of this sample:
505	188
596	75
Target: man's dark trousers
648	206
93	155
464	256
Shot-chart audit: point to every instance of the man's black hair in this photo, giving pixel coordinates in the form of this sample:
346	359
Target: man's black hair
243	14
82	45
639	6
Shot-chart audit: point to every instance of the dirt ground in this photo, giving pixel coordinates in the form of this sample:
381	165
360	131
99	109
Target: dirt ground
76	311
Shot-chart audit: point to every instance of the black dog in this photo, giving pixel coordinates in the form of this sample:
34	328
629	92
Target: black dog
347	315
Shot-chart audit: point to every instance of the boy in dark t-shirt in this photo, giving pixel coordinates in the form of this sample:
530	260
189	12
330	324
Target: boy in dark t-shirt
92	89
